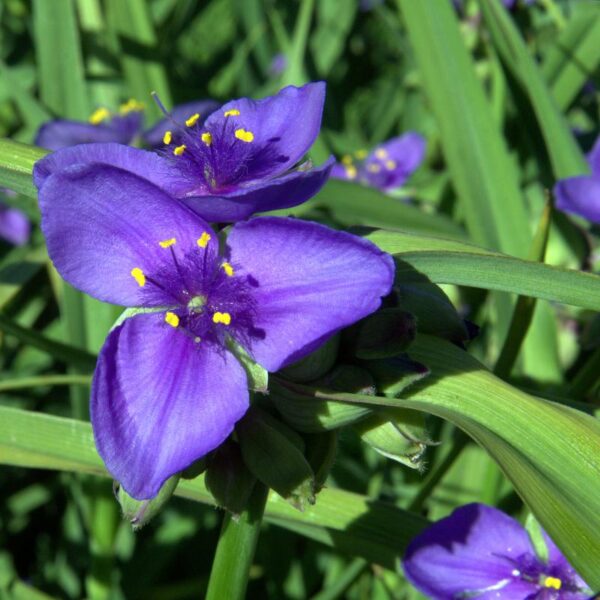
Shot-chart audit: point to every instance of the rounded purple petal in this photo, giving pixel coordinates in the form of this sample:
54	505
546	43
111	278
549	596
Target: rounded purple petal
146	164
579	195
160	401
154	136
14	225
309	282
269	194
475	549
101	223
283	126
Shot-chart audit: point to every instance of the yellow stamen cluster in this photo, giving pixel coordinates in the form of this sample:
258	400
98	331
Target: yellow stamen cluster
351	172
220	317
243	135
192	120
99	115
172	319
203	240
381	154
347	159
390	165
553	582
168	137
131	105
373	168
234	112
361	154
227	268
139	276
206	137
179	150
167	243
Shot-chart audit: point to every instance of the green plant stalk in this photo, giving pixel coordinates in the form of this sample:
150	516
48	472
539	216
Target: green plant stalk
44	380
587	377
235	550
295	74
351	573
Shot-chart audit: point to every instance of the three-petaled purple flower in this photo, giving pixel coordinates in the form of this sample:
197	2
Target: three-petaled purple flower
236	163
478	552
167	388
388	166
581	195
122	127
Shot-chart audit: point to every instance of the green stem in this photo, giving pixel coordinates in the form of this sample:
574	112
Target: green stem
235	550
344	581
587	376
43	380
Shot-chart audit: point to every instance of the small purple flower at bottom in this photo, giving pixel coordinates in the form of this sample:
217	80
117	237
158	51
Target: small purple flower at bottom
478	552
581	195
15	227
388	166
238	162
167	388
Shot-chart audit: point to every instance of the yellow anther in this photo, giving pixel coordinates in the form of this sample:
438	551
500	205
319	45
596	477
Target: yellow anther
139	276
167	243
390	165
361	154
203	240
245	136
351	172
99	115
192	120
553	582
206	138
179	150
234	112
197	340
172	319
228	269
220	317
168	137
380	153
373	168
131	105
347	159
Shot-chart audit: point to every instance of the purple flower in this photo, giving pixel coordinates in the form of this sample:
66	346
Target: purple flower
167	388
388	166
103	126
278	65
235	164
479	552
14	224
581	195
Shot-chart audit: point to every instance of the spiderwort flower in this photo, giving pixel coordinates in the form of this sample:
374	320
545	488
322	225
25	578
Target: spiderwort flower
167	389
102	126
388	166
14	224
234	164
581	195
479	552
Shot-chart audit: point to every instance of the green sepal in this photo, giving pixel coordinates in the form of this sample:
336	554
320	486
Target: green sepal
321	451
434	312
310	415
394	375
228	478
383	334
141	512
271	455
404	438
195	469
258	377
534	530
314	365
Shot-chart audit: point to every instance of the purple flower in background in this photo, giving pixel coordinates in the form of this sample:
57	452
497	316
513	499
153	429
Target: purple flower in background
167	388
388	166
238	162
278	65
581	195
478	552
14	224
103	126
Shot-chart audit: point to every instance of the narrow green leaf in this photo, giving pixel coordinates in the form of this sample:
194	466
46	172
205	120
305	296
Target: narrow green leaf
482	170
349	522
565	155
16	166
